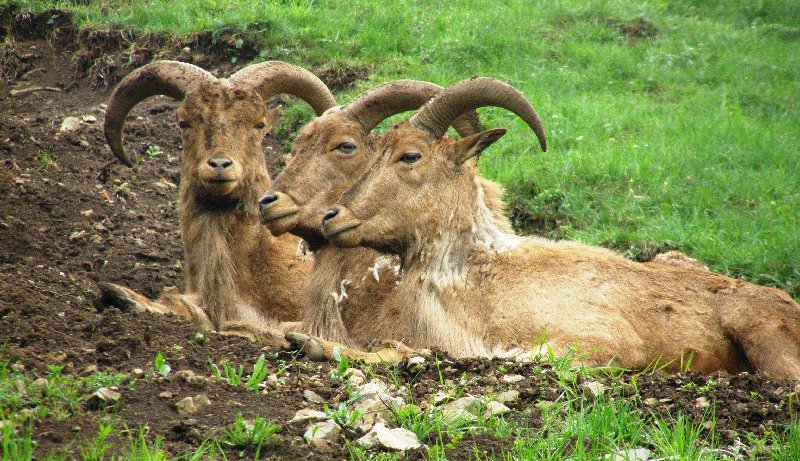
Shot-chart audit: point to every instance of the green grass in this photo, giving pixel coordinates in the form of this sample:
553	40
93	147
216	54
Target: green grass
686	138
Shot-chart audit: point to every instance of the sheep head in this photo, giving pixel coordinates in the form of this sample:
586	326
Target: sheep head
421	178
223	120
335	149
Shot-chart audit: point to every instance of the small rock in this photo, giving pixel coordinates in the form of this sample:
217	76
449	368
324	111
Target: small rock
201	401
373	398
90	370
463	409
328	431
272	380
165	395
508	396
39	385
137	372
416	364
354	376
76	235
103	398
650	401
495	408
88	213
186	376
398	439
19	368
307	414
186	406
313	397
70	124
593	388
89	118
632	454
440	397
510	379
701	402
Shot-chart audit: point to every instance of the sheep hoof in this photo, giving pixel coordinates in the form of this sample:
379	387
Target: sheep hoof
314	348
112	295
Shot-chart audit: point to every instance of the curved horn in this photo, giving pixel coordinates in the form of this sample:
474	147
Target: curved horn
470	94
170	78
398	96
275	77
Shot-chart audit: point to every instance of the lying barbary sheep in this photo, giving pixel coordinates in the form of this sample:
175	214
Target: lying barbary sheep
471	289
328	155
238	276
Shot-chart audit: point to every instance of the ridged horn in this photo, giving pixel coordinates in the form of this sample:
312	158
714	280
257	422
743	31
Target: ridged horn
169	78
275	77
392	98
469	95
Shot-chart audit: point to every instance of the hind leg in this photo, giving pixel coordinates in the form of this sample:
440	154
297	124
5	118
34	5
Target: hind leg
170	301
321	350
127	300
769	336
256	332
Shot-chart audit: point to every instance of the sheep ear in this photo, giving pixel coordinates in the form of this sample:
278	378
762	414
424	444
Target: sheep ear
474	145
272	116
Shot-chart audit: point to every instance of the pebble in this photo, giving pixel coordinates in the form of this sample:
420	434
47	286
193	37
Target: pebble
632	454
511	379
508	396
398	439
70	124
165	395
327	431
307	414
495	408
593	388
313	397
103	398
186	406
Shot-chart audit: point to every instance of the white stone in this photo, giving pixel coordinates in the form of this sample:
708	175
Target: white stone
593	388
328	431
104	397
70	124
495	408
508	396
307	414
511	379
313	397
89	118
186	406
398	439
632	454
415	364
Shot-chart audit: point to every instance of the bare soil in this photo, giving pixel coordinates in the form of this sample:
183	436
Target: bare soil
71	216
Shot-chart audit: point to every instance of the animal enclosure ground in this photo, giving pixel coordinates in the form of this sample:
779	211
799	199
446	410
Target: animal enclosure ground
71	217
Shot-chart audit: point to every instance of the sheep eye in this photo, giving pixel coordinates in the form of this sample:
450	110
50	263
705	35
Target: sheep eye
183	124
260	125
346	147
410	157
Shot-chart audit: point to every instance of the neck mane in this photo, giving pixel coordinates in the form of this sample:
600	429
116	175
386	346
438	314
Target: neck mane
210	234
439	267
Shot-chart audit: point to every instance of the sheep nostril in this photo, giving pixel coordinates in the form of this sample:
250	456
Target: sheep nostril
219	163
330	214
267	199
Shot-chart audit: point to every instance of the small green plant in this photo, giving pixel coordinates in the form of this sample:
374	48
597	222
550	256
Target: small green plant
153	151
161	366
16	444
244	434
96	449
229	373
258	376
44	158
342	364
343	415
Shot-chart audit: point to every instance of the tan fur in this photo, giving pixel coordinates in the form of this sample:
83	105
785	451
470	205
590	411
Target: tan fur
345	285
468	296
237	273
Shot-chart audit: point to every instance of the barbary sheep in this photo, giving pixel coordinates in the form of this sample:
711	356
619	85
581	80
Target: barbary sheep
471	289
328	155
238	276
